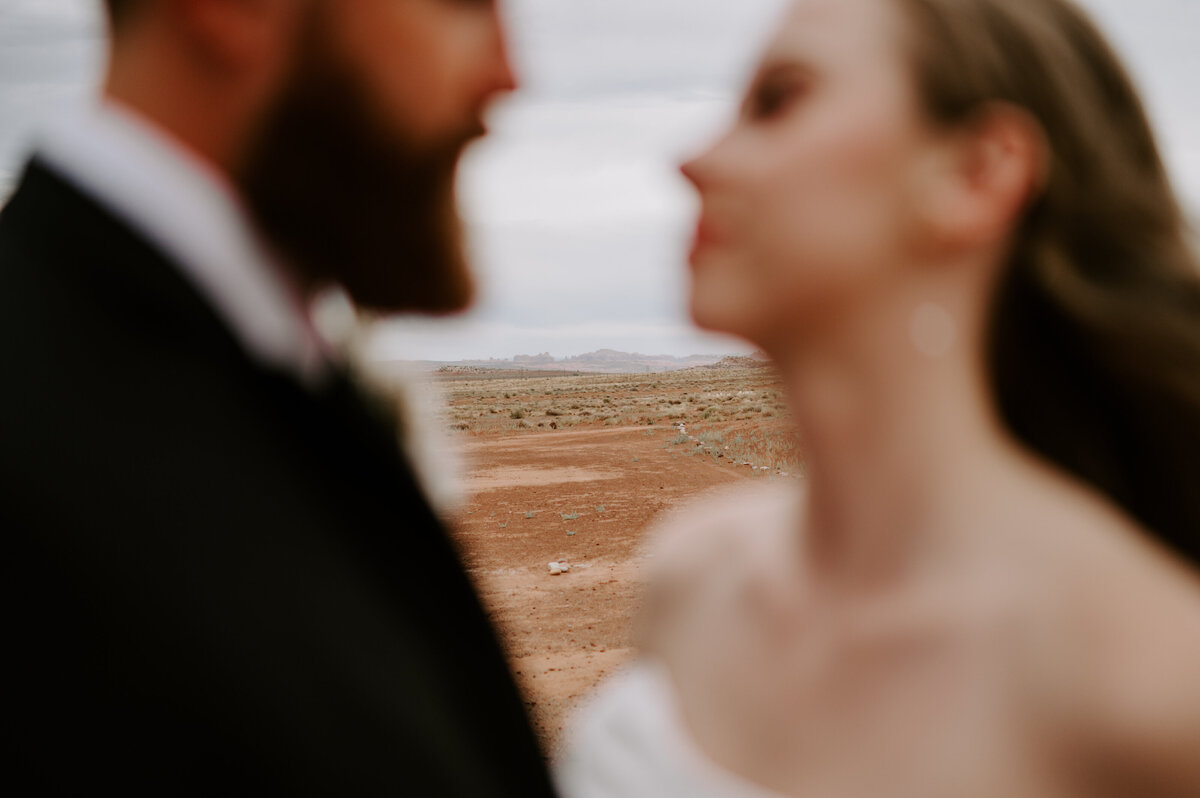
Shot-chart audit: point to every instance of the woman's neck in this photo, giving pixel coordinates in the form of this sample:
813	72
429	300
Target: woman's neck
900	436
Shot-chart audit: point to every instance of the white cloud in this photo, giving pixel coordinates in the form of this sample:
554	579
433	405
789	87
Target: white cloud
1160	42
579	218
577	215
50	53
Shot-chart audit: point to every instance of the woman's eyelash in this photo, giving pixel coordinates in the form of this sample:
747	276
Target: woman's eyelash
772	97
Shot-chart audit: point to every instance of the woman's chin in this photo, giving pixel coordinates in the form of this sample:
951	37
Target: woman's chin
722	298
719	316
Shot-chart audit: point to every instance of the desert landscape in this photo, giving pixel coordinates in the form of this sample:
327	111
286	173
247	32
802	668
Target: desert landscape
574	468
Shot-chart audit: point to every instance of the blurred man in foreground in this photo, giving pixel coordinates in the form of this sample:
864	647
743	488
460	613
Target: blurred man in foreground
221	573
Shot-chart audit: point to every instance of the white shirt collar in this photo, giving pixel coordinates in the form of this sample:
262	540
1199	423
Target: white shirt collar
184	207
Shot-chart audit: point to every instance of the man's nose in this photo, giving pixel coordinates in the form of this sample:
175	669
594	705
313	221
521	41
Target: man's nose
502	77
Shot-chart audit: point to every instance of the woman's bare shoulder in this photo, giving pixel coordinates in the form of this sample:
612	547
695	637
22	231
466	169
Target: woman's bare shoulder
714	540
1122	626
722	524
1147	705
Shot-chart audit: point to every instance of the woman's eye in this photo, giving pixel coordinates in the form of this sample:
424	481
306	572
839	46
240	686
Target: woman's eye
772	98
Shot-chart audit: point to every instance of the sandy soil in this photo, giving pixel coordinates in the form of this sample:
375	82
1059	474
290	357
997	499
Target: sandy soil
585	496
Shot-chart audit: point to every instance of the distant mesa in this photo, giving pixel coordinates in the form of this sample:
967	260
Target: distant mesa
734	362
608	356
603	361
463	370
545	358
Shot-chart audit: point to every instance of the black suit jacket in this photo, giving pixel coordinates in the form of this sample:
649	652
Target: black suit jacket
214	579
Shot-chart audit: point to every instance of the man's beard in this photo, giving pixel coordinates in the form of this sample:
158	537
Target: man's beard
348	201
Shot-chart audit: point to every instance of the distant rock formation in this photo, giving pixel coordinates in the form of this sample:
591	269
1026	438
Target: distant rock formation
603	361
736	363
543	359
739	362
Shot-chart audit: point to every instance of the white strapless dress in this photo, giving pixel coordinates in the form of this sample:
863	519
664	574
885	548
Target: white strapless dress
629	741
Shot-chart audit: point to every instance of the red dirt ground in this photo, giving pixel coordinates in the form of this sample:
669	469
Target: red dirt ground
565	633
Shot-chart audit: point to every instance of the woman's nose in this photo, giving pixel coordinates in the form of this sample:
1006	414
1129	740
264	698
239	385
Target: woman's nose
706	168
693	170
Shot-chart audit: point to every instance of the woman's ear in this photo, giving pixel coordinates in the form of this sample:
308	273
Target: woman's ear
994	167
1006	163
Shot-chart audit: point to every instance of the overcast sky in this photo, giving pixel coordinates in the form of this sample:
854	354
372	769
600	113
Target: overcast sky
578	220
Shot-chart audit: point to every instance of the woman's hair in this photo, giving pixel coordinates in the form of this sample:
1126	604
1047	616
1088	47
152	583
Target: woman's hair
1094	340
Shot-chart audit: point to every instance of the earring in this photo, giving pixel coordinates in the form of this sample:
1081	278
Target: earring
932	330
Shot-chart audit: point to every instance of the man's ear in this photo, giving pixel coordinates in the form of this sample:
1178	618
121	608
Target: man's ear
996	166
237	35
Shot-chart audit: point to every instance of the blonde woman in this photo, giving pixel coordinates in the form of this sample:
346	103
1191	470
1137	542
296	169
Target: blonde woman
948	223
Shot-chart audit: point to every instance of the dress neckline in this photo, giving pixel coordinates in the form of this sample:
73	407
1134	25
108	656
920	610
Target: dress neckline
630	740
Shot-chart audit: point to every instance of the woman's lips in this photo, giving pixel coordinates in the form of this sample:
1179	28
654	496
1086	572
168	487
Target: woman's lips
707	235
